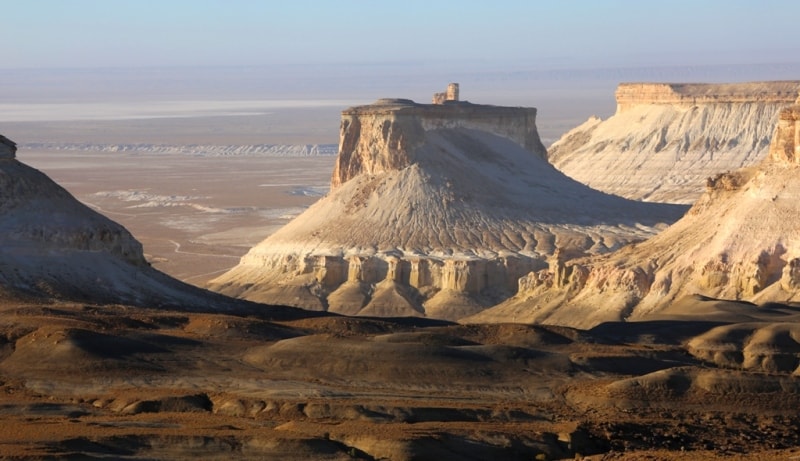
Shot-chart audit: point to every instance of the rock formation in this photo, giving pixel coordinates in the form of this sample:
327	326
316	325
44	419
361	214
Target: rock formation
665	139
54	247
740	241
434	210
8	148
450	95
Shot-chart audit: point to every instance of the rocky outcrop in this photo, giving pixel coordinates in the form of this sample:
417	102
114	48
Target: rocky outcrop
785	147
54	247
8	148
665	139
740	241
434	210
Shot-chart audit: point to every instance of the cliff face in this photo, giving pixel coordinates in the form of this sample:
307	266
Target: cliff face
666	139
435	210
631	95
740	241
785	147
384	136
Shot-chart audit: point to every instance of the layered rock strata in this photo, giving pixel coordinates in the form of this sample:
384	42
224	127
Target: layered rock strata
665	139
54	247
434	210
740	241
386	136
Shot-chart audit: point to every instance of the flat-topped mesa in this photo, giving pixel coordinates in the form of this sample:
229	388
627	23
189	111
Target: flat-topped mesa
629	95
385	135
666	138
8	148
435	210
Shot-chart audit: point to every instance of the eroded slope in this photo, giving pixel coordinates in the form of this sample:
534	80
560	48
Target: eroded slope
740	241
665	139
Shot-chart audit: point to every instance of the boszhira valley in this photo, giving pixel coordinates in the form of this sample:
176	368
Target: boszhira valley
522	231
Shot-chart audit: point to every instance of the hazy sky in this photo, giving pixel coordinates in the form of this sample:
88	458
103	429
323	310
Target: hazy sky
511	34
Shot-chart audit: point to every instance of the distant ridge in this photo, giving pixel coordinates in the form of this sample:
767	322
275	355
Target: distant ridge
268	150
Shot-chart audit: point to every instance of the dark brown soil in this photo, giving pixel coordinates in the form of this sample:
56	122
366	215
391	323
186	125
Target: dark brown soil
80	381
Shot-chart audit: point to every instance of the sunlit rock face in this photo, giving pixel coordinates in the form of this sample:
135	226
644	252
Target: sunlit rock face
740	241
785	147
665	139
435	210
384	136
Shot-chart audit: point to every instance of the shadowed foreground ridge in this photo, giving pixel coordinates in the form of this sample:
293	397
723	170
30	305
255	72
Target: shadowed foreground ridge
435	210
136	383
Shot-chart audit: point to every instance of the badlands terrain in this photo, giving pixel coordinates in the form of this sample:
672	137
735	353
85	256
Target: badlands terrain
86	381
104	356
739	241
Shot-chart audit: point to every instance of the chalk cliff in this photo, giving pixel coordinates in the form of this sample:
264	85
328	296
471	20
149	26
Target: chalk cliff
665	139
384	136
740	241
54	247
435	210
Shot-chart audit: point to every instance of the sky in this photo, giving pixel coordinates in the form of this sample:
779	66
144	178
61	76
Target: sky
556	55
507	34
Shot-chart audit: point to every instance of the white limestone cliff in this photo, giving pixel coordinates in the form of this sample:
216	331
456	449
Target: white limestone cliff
740	241
665	139
434	210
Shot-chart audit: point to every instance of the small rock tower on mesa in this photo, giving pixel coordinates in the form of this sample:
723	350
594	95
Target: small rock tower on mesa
450	95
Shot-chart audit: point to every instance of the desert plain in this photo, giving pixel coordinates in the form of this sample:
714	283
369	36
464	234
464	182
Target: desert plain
189	211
